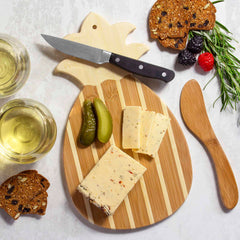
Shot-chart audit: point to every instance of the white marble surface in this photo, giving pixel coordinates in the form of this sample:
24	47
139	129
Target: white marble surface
201	216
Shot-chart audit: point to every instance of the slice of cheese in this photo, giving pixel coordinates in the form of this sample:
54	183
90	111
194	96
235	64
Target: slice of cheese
158	130
153	128
112	178
131	127
147	119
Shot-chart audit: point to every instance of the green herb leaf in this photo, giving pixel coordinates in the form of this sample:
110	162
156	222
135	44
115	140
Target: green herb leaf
218	42
218	1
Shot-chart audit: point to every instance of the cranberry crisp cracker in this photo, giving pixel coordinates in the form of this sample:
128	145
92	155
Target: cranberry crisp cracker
171	20
24	193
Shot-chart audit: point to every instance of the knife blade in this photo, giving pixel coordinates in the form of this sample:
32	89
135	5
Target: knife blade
101	56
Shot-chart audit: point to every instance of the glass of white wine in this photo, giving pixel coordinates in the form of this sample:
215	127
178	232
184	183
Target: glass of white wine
14	65
27	131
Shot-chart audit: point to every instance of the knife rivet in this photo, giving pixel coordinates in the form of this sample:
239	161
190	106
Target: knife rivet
117	60
140	67
164	74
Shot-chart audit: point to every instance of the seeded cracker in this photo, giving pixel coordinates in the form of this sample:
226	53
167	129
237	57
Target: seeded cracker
24	193
175	43
168	19
37	205
199	14
202	15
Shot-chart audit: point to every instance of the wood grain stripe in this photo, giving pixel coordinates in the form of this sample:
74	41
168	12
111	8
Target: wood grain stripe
156	158
72	176
163	185
78	167
135	155
141	95
86	201
112	141
145	195
183	153
74	151
96	214
176	156
170	171
120	92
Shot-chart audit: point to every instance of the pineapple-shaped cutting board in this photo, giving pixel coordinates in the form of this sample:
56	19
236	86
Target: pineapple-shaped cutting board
167	181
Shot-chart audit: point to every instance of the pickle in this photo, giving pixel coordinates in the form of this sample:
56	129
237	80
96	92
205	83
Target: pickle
104	121
88	129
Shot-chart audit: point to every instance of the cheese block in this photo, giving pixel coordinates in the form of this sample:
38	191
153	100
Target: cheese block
153	128
111	179
131	127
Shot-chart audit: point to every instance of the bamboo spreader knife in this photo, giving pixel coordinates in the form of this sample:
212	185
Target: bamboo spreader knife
195	117
101	56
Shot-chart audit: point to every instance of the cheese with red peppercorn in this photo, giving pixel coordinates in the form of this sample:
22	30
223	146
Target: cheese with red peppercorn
131	127
147	119
143	130
151	137
111	179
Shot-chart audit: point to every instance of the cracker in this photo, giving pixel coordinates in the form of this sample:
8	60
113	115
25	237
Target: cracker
37	205
42	180
202	15
24	193
196	14
168	19
175	43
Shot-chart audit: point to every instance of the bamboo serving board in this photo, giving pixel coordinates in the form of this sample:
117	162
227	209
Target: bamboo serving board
167	181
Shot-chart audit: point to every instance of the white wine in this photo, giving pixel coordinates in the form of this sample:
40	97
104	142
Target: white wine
14	65
21	130
7	65
27	130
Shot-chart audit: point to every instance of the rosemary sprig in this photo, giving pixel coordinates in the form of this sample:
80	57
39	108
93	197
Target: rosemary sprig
218	1
218	42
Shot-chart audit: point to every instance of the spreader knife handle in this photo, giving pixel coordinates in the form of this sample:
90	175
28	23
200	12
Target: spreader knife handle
142	68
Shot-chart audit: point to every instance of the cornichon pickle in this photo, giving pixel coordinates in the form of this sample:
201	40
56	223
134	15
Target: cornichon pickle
104	121
88	129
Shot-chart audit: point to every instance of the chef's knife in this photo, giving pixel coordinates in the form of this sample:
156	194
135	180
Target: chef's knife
101	56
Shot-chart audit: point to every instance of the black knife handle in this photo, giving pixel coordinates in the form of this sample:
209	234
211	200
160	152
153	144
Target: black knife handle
142	68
